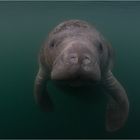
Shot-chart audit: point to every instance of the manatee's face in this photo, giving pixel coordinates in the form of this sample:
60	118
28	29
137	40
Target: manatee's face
78	62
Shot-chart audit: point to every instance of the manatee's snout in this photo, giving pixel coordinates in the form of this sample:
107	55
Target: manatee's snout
76	62
79	62
73	58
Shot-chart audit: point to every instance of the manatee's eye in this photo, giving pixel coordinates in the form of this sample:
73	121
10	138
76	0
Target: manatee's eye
52	44
100	47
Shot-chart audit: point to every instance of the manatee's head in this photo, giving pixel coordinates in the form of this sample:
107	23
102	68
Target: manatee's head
79	61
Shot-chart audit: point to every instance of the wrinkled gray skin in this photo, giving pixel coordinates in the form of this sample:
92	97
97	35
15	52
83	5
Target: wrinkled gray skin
75	51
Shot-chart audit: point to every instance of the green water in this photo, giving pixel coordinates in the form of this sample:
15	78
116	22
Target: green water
23	27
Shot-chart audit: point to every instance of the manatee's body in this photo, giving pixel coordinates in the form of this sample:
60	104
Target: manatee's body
77	53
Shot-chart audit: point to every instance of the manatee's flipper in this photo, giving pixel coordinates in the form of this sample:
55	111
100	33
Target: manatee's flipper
42	97
118	104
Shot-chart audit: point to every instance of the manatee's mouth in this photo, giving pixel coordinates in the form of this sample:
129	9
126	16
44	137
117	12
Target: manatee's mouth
75	82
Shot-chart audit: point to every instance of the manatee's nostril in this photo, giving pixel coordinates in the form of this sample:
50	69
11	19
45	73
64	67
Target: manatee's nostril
86	60
73	58
86	63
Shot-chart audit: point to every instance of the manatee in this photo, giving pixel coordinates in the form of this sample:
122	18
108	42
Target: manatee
76	52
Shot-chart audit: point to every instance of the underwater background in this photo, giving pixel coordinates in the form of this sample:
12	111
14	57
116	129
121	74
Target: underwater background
79	113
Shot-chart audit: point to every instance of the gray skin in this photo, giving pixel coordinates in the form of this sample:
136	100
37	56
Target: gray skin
75	51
